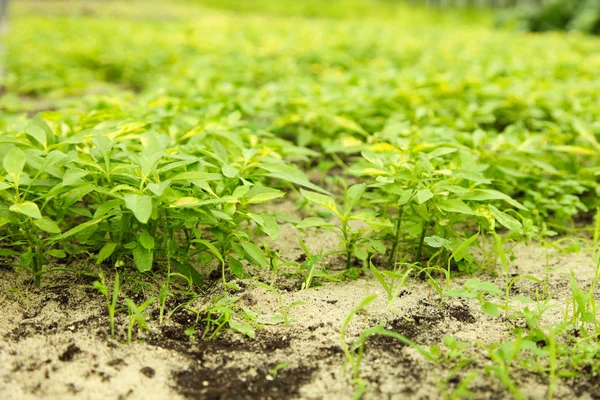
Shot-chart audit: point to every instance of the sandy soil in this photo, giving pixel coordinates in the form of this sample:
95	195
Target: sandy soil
55	342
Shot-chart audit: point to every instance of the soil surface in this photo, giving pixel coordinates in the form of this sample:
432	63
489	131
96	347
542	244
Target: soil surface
55	340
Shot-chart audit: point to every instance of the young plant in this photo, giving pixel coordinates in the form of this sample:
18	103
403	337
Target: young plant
354	240
223	311
310	266
392	281
285	309
136	315
354	352
111	299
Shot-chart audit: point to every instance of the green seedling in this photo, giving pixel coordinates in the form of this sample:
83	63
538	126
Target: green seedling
476	289
392	281
502	358
354	241
191	333
454	354
582	305
311	264
273	371
136	315
285	309
354	352
223	311
111	299
441	165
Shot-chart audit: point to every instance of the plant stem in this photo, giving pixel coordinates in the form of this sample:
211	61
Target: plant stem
421	241
348	244
392	257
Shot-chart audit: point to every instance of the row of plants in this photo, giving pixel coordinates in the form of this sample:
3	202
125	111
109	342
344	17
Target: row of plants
129	193
424	151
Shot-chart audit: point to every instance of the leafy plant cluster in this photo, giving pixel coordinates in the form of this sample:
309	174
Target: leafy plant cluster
125	193
414	146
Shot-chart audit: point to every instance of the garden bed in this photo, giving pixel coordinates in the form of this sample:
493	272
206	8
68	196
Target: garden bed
56	342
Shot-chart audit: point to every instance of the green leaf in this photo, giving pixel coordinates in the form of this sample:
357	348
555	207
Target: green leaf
140	205
56	253
146	240
321	200
73	176
261	194
255	254
27	208
76	194
490	194
143	259
524	300
47	225
137	313
14	162
103	144
437	242
244	329
349	125
190	272
424	195
197	176
105	252
40	131
236	267
490	309
353	196
291	174
241	191
211	248
36	134
361	253
159	189
462	249
267	223
229	171
455	206
266	196
77	229
475	284
506	220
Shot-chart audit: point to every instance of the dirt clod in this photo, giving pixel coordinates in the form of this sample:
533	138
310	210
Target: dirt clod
148	371
69	353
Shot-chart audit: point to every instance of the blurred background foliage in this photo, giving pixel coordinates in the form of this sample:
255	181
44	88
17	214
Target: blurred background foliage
529	15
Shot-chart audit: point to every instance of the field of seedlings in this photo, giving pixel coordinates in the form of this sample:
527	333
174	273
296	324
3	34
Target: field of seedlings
295	200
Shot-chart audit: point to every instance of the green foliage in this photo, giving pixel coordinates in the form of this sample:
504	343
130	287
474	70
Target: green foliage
557	15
